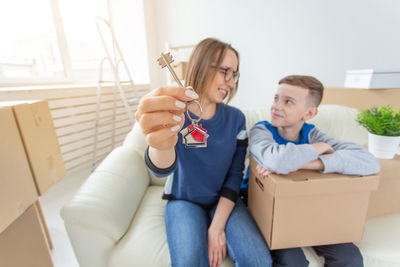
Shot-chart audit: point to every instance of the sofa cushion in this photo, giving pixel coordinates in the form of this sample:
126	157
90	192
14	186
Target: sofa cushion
381	241
96	206
145	243
340	122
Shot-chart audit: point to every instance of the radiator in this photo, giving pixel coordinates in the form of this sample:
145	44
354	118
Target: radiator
73	109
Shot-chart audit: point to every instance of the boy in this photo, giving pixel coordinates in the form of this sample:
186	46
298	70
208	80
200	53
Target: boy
287	143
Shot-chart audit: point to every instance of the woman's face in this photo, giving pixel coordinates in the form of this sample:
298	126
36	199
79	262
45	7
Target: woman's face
219	88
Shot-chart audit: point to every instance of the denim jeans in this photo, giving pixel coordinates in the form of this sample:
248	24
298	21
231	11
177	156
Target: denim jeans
187	225
338	255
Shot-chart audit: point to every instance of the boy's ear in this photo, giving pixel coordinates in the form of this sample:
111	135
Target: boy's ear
311	113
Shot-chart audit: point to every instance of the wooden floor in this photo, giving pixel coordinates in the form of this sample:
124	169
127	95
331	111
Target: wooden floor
51	202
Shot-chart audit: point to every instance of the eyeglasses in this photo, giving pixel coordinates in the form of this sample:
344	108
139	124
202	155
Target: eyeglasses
229	73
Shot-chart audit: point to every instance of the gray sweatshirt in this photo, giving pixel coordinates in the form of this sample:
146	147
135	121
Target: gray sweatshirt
348	158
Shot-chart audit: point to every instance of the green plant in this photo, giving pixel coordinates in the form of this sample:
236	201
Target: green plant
380	121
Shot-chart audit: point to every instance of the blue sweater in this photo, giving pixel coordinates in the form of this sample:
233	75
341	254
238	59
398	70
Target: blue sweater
202	175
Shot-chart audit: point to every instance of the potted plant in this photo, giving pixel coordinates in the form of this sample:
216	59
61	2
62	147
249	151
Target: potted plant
383	125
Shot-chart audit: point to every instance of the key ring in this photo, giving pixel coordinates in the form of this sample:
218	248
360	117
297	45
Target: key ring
195	122
188	114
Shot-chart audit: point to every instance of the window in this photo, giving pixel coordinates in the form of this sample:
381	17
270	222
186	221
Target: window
29	47
85	49
56	41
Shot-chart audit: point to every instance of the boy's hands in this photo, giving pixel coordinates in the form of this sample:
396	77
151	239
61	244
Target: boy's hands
314	165
261	172
323	148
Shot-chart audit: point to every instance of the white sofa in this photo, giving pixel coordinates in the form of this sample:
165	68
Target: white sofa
116	219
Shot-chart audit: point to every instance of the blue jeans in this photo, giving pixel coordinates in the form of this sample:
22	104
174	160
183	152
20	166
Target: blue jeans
187	225
338	255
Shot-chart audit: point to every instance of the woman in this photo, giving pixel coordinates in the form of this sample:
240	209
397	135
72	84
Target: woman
205	219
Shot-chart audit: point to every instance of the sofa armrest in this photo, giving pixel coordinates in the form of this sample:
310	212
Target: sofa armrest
108	200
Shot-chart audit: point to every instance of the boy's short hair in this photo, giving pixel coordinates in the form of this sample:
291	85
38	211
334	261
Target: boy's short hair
315	87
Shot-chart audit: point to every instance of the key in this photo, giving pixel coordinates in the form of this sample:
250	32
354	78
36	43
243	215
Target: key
165	61
193	135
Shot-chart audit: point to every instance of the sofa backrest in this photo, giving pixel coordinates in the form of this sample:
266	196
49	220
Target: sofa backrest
135	140
337	121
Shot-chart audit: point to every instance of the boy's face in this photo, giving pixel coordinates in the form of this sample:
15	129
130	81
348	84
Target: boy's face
291	106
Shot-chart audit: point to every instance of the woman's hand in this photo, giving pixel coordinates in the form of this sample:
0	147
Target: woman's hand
216	232
160	115
216	246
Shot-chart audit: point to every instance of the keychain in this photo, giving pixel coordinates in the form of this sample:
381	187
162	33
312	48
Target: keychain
193	135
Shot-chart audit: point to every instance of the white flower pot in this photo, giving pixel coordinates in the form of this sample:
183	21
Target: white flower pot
383	147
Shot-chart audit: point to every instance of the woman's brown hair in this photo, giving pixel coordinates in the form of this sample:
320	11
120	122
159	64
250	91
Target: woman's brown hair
208	52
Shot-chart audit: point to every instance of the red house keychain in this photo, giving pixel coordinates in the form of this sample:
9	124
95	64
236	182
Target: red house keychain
194	135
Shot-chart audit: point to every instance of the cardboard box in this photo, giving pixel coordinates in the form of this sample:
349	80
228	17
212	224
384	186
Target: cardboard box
23	243
307	208
373	79
40	141
17	188
386	199
361	98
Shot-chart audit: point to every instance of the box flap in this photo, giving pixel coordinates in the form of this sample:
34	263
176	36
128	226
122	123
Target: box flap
41	144
311	182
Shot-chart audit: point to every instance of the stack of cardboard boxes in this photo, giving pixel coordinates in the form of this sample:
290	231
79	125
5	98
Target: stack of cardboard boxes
30	163
386	199
361	98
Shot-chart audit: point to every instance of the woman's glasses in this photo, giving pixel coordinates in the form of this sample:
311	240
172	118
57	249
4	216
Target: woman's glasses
229	73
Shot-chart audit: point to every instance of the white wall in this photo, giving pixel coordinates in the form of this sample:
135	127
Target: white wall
276	38
128	22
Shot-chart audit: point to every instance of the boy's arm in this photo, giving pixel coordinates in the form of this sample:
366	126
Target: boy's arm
348	157
316	165
281	159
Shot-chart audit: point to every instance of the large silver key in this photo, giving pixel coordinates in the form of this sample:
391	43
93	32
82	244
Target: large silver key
193	135
165	61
